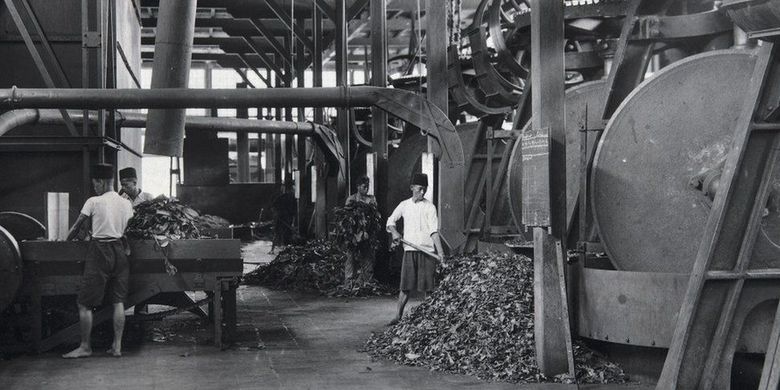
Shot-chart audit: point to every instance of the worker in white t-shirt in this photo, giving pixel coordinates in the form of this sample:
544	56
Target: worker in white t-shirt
106	263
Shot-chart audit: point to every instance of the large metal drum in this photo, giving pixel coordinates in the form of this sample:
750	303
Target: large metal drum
584	99
673	127
10	268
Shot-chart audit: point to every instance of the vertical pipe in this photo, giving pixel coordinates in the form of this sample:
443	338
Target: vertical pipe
171	69
242	144
288	111
436	71
379	117
341	80
320	206
278	157
302	143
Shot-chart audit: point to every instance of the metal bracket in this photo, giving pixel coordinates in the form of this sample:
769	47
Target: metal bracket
92	39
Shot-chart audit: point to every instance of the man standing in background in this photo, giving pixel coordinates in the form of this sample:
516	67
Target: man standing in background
364	256
130	191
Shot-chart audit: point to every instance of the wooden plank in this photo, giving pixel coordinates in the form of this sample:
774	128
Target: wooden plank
770	374
141	250
551	323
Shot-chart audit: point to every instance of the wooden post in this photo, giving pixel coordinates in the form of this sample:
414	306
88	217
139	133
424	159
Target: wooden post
544	188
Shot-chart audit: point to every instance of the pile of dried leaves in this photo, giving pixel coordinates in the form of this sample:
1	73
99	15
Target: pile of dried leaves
171	219
208	221
316	267
480	322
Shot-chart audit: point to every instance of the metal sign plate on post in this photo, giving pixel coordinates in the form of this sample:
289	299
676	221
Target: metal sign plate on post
535	148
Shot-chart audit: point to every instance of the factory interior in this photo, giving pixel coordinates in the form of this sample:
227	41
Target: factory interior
389	194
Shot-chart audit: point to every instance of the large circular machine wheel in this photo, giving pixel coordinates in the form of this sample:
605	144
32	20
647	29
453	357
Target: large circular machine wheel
10	268
673	127
581	99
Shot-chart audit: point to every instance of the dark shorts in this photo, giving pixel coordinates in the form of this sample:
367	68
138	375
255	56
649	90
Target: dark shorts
417	271
106	266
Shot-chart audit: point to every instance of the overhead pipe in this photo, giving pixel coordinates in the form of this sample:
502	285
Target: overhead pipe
171	69
323	135
93	98
403	104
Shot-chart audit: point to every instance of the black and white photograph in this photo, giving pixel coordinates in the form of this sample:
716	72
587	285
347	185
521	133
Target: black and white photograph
389	194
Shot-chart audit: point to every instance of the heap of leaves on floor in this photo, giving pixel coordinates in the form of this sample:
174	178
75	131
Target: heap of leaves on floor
170	218
316	267
479	322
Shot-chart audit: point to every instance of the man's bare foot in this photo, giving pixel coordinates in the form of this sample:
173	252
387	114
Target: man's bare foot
394	321
78	353
114	352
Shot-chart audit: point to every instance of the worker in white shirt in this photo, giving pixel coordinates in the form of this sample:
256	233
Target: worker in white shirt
130	191
106	264
420	228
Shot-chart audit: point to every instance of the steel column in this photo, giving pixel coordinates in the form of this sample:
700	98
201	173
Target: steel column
342	64
242	144
379	117
320	207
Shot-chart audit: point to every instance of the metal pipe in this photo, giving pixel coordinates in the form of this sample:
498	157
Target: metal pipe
13	119
91	98
171	69
16	118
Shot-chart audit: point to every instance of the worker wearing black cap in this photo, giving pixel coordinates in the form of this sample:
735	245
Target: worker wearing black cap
421	228
106	263
363	256
285	208
130	191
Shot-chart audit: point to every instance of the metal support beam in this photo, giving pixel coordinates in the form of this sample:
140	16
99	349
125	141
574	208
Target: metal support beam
343	118
42	65
544	188
242	144
320	207
326	9
267	61
288	22
271	38
379	117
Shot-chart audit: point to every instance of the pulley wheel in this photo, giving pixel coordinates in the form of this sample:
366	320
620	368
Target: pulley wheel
10	268
22	226
671	128
581	99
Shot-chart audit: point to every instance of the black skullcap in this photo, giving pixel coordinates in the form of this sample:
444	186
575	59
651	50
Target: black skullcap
420	179
127	173
102	171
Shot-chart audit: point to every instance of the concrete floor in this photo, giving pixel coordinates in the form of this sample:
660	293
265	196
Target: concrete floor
286	341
